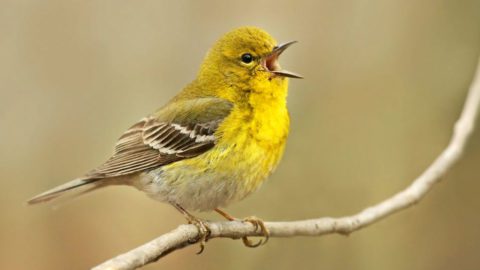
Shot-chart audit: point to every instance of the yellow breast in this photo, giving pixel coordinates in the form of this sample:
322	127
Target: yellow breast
255	134
250	143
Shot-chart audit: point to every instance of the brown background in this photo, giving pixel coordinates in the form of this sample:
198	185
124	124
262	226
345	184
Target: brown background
384	83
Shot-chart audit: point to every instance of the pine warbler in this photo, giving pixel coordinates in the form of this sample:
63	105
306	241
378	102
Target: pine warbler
212	144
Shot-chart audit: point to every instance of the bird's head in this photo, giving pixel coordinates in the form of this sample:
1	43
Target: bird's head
244	57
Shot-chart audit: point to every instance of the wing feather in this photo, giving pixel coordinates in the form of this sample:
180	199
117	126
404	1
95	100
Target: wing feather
163	138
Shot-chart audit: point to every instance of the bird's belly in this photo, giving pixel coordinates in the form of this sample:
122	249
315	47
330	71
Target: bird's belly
214	179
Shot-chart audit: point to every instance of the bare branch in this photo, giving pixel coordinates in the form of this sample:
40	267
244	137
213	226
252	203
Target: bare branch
186	235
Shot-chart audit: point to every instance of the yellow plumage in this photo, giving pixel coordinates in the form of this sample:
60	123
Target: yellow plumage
216	141
251	141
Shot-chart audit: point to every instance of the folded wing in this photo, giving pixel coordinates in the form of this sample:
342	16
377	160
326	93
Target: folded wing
184	131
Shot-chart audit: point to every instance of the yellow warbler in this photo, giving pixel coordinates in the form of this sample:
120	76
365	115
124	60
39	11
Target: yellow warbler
213	143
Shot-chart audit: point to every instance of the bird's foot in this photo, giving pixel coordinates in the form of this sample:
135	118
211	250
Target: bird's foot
203	230
257	223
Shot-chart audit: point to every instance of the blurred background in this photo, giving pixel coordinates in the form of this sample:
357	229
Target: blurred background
384	83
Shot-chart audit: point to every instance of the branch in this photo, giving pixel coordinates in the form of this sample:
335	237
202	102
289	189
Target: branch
186	235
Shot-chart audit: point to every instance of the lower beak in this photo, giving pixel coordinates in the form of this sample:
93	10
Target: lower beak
271	62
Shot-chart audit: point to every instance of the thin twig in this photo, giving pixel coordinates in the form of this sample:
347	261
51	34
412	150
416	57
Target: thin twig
186	235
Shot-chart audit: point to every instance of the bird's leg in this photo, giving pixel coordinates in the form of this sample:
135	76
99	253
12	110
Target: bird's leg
203	229
257	223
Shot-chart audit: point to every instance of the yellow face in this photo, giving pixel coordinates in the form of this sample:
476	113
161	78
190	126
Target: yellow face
245	56
246	47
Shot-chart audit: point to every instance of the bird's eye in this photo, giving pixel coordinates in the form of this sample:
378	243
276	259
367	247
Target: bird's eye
247	58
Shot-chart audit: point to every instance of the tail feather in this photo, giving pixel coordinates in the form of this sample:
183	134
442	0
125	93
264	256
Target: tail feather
68	187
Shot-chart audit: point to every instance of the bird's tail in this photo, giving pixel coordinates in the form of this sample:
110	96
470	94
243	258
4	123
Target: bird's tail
73	188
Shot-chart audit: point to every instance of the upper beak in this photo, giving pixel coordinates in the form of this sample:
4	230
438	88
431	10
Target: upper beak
271	61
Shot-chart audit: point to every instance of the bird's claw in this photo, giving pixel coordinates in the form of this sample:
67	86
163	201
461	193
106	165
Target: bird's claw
203	232
257	223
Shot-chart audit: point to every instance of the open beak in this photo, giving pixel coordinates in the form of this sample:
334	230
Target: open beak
271	61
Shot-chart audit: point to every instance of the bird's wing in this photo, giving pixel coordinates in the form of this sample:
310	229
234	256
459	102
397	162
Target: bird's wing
181	130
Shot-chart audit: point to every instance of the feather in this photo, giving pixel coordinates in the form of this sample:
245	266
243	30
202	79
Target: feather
164	138
60	190
183	129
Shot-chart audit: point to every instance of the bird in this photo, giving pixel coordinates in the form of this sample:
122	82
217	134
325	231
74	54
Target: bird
212	144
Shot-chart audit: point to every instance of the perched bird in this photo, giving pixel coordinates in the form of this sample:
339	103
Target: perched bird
215	142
